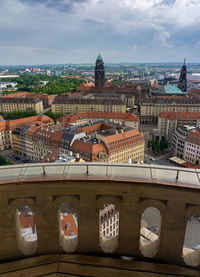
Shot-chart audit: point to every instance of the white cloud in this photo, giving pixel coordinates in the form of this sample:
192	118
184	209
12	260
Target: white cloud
116	26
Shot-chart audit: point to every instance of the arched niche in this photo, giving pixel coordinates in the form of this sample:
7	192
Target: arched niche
68	227
108	227
191	246
150	232
26	230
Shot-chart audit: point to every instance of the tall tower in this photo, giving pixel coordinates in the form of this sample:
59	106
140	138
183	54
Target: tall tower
182	84
99	72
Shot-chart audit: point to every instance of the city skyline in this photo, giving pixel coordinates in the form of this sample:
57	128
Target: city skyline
65	31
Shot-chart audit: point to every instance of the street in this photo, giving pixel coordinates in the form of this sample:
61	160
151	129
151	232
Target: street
8	154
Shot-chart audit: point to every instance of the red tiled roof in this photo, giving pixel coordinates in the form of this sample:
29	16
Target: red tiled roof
194	137
84	147
27	222
12	124
85	86
16	94
180	115
72	118
68	225
124	135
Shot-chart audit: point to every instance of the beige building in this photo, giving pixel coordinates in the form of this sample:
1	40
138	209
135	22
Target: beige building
192	147
5	136
10	104
168	122
76	105
151	107
124	119
124	146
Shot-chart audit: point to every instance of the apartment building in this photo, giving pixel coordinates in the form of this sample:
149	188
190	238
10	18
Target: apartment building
124	119
9	104
76	105
7	126
192	147
105	142
179	139
109	221
123	145
46	99
5	135
168	122
151	107
45	140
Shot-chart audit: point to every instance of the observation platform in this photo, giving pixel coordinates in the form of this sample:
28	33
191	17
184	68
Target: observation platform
157	247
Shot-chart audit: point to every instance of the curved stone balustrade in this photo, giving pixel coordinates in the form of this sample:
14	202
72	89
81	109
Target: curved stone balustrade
175	192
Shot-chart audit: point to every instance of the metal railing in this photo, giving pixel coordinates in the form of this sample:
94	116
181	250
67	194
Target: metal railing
97	171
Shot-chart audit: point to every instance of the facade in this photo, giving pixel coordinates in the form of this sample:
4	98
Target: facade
5	136
109	143
168	122
109	221
21	104
124	119
6	127
151	107
182	84
192	147
124	145
99	72
179	139
69	105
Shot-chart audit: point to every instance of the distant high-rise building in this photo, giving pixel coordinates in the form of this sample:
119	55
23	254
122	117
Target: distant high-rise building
182	84
99	72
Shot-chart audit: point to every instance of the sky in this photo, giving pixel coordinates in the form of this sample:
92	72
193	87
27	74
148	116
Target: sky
75	31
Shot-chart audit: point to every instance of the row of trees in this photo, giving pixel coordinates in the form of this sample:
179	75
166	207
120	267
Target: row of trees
55	85
18	114
158	145
54	116
3	161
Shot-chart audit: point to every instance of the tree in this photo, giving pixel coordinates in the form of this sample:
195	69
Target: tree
3	161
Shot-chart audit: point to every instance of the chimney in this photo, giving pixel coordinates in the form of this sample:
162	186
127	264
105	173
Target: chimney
122	130
70	153
116	132
77	155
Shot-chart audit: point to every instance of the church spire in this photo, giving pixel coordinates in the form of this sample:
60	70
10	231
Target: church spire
182	84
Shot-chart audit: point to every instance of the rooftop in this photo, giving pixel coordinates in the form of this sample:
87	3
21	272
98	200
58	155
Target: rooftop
173	90
180	115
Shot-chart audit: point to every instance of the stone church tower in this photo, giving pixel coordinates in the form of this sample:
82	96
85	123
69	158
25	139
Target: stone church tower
99	72
182	84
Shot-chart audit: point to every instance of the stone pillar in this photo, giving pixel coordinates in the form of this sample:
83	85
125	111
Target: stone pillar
129	227
88	223
172	233
8	235
47	225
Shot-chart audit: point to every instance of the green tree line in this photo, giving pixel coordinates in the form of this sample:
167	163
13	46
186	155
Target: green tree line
18	114
55	85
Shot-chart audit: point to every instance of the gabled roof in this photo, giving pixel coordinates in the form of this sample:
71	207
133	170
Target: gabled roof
180	115
72	118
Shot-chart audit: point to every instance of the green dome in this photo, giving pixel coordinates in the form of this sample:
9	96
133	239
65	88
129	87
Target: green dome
99	58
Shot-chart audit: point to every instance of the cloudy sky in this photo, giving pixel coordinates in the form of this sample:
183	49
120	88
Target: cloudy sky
74	31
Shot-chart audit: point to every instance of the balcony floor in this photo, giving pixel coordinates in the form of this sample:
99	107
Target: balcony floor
69	265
